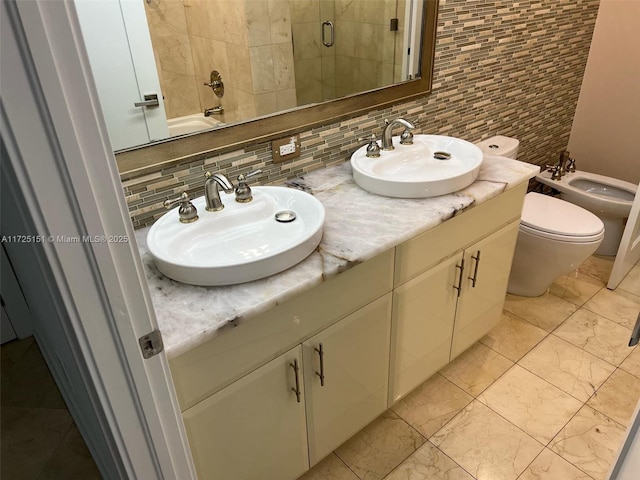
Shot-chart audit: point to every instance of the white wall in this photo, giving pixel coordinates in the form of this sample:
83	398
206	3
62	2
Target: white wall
606	127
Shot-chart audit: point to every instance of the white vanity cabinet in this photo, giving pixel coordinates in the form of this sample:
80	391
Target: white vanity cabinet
255	428
445	299
371	335
346	374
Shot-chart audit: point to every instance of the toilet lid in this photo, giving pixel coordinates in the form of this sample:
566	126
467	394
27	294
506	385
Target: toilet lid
552	215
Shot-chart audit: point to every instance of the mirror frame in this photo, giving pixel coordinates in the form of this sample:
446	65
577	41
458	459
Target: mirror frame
173	151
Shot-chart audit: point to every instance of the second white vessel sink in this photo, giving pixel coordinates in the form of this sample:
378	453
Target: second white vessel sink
243	242
433	165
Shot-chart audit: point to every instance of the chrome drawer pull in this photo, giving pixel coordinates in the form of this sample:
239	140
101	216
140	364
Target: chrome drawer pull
320	351
296	369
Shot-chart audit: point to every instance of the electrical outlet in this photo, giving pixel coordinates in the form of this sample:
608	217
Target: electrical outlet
286	148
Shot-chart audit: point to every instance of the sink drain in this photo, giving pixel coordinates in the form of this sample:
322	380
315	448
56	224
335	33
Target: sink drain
441	155
285	216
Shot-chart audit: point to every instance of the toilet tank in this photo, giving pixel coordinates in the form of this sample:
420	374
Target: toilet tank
499	145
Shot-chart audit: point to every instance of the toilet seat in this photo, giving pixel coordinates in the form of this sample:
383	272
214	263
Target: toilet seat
555	219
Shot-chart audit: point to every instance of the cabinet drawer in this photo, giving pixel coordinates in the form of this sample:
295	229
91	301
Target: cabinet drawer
237	350
425	250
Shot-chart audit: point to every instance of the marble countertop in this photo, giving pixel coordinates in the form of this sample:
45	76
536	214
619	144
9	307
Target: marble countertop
358	226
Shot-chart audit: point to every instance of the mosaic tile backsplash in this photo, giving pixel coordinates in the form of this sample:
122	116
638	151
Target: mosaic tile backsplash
501	68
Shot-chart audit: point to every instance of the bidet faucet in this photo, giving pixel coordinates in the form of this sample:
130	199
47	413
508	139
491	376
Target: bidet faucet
387	142
212	190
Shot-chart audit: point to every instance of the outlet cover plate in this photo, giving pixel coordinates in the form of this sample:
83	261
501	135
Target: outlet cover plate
293	142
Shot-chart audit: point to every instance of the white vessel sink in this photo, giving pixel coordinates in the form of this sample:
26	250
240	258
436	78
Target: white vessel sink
414	171
240	243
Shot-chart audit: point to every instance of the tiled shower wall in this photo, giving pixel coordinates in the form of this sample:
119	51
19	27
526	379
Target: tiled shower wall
501	67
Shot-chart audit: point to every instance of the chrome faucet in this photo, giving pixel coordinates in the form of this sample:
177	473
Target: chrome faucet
212	187
219	110
387	142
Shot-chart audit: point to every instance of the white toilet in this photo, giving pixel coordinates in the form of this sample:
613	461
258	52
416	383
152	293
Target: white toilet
554	237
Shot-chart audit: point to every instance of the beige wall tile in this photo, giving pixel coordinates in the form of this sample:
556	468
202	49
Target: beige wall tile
234	22
262	69
280	21
429	463
513	337
380	447
619	306
618	397
303	11
309	80
546	311
286	99
345	33
166	18
551	466
307	42
266	103
476	369
597	335
590	441
283	66
432	405
258	22
464	440
527	401
240	73
568	367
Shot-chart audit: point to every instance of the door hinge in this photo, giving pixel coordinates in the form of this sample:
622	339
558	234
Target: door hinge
151	344
393	25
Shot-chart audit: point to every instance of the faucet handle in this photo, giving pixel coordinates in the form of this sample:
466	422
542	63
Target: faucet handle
407	137
243	190
373	149
187	211
571	165
555	172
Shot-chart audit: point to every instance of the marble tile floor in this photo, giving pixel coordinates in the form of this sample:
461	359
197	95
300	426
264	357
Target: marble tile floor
546	395
38	438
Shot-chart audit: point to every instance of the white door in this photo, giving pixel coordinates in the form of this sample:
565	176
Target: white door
346	371
422	326
487	267
629	250
255	428
118	42
89	301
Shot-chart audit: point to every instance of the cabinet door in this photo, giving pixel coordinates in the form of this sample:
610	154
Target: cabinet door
254	428
422	326
488	262
346	384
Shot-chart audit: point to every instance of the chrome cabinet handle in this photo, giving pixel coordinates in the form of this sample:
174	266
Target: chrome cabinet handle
635	335
320	351
475	270
459	286
333	34
296	369
150	100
